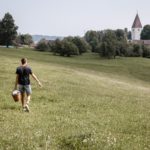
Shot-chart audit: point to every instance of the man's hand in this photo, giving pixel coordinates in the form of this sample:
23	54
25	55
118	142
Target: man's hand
39	83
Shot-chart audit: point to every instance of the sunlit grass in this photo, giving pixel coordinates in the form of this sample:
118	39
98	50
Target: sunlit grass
85	103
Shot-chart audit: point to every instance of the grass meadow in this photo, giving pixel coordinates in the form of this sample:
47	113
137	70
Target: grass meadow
86	103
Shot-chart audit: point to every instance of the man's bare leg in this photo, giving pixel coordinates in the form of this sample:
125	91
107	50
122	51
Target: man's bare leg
28	99
23	99
27	102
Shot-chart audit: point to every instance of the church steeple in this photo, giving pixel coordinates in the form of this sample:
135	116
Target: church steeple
137	22
136	28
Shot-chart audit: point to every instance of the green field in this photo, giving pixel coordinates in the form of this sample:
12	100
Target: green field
86	103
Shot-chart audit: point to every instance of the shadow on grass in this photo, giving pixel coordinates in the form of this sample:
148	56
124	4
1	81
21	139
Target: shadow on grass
9	107
77	142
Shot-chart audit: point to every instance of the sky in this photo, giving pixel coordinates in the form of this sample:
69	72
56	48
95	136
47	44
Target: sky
74	17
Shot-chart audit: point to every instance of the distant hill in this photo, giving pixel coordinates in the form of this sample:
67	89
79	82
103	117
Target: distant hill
37	38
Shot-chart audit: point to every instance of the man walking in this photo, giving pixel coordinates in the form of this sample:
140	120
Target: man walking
23	73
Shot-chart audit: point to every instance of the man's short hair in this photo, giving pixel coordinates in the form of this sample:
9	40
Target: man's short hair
24	61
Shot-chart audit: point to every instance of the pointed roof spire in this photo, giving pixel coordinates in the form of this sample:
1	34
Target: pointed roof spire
137	22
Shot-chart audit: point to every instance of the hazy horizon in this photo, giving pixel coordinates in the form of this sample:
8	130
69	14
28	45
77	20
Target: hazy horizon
74	17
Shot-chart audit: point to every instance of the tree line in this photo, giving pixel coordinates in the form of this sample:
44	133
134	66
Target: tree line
107	43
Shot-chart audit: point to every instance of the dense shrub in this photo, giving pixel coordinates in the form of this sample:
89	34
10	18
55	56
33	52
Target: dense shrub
146	51
121	48
64	48
137	50
129	50
68	49
134	50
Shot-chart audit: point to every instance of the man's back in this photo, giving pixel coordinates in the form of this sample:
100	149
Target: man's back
23	75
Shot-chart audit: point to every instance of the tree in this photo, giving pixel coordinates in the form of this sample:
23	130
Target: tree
17	42
108	46
42	45
25	39
57	46
1	32
120	34
129	35
8	30
82	45
121	44
69	49
92	38
145	34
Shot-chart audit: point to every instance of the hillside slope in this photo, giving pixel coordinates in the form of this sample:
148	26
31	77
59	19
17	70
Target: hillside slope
85	103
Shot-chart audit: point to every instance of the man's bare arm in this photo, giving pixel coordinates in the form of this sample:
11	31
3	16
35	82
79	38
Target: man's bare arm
35	78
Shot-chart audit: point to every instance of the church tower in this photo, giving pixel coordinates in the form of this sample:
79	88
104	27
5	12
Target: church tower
136	28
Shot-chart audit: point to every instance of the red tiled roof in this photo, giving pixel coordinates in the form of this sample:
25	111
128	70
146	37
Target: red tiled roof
137	22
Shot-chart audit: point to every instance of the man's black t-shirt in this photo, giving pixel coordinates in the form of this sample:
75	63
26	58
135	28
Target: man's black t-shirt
23	75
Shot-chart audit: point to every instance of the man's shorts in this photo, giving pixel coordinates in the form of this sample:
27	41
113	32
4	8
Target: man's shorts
25	88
